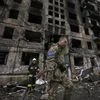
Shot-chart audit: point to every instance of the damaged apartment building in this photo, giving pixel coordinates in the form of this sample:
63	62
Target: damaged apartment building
28	26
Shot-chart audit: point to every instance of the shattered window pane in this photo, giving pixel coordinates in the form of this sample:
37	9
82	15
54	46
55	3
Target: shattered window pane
33	36
3	57
8	32
13	14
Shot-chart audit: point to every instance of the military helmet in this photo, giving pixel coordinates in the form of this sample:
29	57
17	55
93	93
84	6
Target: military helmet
34	59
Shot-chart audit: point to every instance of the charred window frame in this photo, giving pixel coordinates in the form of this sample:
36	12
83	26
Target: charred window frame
27	57
50	20
89	45
74	28
96	33
3	57
51	13
62	23
56	9
56	22
83	19
35	13
62	11
71	5
2	3
61	5
13	14
76	43
61	0
72	16
35	18
8	32
86	31
32	36
50	7
56	3
51	1
92	60
18	1
78	61
62	17
98	46
36	4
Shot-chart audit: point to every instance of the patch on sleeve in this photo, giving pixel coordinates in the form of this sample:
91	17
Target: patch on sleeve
49	54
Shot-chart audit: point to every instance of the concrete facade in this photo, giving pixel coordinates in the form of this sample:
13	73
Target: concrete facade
28	22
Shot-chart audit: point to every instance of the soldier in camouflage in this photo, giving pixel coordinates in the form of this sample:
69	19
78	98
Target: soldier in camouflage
59	84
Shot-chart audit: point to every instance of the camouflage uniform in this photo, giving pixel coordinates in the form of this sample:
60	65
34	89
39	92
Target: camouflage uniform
57	78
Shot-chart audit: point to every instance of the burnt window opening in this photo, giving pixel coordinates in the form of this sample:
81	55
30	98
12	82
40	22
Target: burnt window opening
18	1
83	19
50	20
71	5
76	43
35	11
27	57
32	36
36	4
56	15
92	60
56	22
3	57
2	3
13	14
78	61
8	32
62	5
74	28
89	45
98	46
56	9
86	31
81	9
62	31
35	19
97	34
61	0
56	3
51	13
50	1
62	23
62	17
50	7
72	16
62	11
